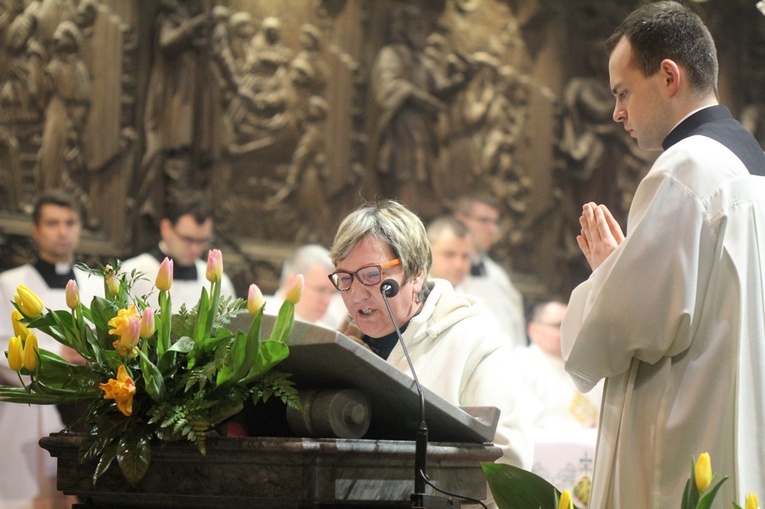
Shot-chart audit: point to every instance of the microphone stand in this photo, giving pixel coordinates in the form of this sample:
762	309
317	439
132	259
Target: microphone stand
389	288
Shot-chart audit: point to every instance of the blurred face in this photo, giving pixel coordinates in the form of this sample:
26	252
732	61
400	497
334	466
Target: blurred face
451	257
57	234
365	303
186	240
317	294
483	223
640	103
545	331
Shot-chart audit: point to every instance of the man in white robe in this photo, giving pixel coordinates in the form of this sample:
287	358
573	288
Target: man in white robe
28	470
673	315
186	232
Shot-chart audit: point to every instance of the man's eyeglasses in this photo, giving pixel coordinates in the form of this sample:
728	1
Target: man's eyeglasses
367	276
194	241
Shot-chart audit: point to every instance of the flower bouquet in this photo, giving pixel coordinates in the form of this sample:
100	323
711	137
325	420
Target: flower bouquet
149	374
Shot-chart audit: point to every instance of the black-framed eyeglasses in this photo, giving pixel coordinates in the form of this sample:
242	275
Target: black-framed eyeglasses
367	276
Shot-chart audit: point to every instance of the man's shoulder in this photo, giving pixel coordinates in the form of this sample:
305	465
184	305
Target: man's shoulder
17	274
141	260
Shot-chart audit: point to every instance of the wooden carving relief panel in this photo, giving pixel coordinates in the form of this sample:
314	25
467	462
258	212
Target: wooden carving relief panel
288	114
63	90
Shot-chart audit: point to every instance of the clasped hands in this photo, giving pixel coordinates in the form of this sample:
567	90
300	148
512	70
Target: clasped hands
600	234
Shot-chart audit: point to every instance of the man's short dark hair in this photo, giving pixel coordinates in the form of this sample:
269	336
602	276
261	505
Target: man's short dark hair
59	197
662	30
194	204
466	203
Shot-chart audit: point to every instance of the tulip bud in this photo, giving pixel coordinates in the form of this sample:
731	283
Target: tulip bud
751	501
129	338
165	275
214	265
295	291
15	353
30	353
112	283
28	302
147	324
703	472
565	500
254	300
72	294
19	328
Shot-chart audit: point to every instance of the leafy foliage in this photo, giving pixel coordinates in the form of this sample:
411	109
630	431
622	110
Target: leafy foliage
177	382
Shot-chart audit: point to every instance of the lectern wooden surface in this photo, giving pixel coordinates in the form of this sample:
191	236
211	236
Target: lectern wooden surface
325	359
289	473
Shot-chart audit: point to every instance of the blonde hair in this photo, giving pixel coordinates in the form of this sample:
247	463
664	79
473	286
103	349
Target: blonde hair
393	224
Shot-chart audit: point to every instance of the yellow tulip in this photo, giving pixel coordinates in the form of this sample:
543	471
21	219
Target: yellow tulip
15	354
112	282
751	501
72	295
565	500
30	353
214	266
28	302
165	275
295	291
703	472
254	299
121	390
19	328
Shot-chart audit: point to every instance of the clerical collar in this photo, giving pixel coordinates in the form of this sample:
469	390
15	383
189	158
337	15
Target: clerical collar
693	121
180	272
384	346
56	275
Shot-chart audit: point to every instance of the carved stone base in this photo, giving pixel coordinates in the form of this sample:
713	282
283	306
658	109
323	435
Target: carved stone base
257	472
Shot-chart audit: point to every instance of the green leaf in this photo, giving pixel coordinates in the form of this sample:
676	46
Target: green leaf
270	354
515	488
706	500
107	456
284	322
102	311
154	382
691	495
134	456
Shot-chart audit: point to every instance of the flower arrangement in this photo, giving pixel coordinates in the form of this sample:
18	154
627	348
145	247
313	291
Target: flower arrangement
149	374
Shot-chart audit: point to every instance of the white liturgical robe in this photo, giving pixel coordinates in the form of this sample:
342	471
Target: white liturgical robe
674	320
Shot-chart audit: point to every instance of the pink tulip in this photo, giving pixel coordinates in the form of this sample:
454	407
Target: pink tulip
214	265
165	275
147	324
254	299
295	291
72	294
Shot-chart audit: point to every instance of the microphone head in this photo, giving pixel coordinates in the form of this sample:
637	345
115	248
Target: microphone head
389	288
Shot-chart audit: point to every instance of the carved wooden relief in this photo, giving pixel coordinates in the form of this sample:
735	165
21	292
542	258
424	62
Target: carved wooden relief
288	114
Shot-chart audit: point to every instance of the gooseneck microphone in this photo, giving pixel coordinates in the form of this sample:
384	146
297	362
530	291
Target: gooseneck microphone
389	288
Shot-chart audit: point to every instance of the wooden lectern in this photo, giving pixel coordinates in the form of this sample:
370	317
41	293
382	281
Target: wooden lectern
296	471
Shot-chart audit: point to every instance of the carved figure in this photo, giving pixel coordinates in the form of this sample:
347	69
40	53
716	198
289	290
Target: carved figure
67	84
412	98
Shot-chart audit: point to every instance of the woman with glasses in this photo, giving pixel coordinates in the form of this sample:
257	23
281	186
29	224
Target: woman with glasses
457	352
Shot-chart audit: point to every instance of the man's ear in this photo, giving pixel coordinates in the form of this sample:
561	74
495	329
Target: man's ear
671	75
165	226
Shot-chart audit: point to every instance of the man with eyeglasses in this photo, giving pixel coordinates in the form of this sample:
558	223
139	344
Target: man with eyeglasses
186	234
487	279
